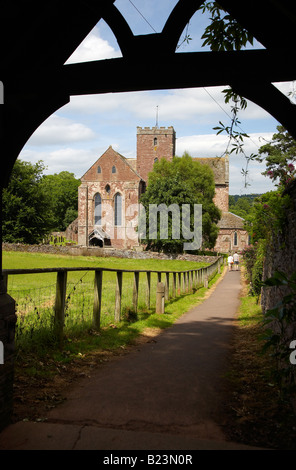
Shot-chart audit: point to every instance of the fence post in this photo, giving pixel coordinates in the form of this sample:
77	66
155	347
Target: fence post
159	277
148	278
179	283
136	291
174	285
160	292
167	286
60	303
118	293
184	282
97	298
206	278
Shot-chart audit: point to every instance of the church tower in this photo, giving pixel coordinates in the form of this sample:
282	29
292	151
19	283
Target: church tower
152	145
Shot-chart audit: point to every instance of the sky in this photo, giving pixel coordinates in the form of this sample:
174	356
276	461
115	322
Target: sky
75	136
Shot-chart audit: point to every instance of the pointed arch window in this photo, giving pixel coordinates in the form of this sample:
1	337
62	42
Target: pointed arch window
235	239
99	170
118	209
98	209
155	141
113	169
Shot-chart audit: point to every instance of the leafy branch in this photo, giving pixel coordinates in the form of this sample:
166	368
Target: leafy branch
224	33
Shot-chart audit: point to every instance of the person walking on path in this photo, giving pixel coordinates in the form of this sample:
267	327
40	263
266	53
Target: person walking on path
236	261
230	262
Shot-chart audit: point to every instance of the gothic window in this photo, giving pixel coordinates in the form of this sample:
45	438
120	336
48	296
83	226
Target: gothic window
99	169
155	141
98	209
117	209
155	160
107	189
113	169
235	239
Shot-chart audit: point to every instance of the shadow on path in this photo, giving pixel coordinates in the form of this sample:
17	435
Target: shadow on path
167	394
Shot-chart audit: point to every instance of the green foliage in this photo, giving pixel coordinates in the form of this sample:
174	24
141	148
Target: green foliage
224	32
63	191
181	181
281	154
35	204
26	214
249	256
279	323
257	269
269	215
241	207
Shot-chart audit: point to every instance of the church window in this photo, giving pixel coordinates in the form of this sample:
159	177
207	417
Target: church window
113	169
117	209
155	141
235	239
98	209
99	170
155	160
107	188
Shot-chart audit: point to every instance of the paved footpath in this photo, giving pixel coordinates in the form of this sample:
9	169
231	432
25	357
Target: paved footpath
167	394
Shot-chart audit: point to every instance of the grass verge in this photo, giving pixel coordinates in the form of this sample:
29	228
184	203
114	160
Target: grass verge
259	416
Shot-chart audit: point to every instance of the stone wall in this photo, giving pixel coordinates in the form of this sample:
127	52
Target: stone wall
281	254
104	252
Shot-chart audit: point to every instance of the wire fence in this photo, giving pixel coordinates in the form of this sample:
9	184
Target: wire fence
37	307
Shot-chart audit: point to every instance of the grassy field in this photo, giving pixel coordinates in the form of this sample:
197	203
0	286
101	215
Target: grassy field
35	295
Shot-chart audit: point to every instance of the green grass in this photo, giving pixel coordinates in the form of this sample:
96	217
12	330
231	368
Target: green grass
35	296
250	312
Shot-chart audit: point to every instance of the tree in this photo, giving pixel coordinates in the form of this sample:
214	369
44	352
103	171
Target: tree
63	191
242	207
26	214
181	181
281	156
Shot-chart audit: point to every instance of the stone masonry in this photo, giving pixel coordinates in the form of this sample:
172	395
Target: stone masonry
114	178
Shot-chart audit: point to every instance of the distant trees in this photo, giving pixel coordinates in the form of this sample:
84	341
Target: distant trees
35	204
63	191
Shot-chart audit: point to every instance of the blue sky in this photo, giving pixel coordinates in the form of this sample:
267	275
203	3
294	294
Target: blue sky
77	134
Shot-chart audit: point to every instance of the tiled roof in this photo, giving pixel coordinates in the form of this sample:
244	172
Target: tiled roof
230	220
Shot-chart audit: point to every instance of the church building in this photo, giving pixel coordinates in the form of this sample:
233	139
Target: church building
109	194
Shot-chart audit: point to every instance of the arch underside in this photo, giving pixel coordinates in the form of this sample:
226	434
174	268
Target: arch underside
38	83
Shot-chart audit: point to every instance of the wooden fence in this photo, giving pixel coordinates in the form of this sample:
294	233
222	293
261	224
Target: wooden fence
182	282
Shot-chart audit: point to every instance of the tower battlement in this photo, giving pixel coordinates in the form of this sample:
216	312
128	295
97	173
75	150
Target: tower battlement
155	130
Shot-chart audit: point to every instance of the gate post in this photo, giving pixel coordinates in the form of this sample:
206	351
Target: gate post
7	331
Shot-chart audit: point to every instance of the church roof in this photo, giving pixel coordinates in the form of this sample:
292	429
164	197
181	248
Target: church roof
111	152
230	220
220	167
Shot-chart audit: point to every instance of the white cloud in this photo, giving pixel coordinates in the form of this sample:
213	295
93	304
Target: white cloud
76	161
93	47
58	130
